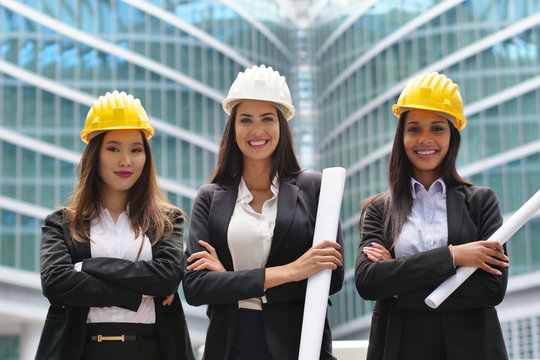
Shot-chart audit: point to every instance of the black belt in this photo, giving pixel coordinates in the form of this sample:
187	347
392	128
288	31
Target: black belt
122	338
102	332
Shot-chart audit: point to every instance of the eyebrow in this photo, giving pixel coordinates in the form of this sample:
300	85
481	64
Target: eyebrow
114	142
433	122
265	114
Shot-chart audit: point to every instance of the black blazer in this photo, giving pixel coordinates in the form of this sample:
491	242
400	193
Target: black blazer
107	282
293	235
466	323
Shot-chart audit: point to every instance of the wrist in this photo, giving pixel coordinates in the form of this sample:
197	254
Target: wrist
451	248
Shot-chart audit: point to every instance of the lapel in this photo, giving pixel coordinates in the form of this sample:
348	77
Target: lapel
286	208
221	210
82	249
455	206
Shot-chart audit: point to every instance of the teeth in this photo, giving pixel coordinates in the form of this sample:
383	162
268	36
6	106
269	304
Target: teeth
257	143
426	152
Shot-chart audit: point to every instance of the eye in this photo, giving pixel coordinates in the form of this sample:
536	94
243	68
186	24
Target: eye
413	129
268	119
245	120
137	150
437	129
113	149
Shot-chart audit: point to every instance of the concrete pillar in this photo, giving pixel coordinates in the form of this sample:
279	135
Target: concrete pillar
29	340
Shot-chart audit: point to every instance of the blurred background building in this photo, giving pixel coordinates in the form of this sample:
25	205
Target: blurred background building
346	62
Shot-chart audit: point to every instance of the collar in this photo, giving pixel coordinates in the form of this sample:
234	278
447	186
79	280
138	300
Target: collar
438	186
245	195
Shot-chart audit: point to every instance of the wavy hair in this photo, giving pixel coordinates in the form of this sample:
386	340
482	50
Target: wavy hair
146	201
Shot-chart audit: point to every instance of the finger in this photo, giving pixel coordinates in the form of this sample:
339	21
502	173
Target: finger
490	270
207	246
494	245
199	255
196	264
327	243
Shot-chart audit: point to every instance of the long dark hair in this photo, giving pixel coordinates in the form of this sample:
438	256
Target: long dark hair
230	160
147	204
397	200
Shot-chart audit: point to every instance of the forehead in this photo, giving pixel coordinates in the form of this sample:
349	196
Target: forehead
255	107
125	135
424	117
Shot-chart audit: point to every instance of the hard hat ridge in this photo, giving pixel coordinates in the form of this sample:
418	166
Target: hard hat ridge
260	83
115	111
434	92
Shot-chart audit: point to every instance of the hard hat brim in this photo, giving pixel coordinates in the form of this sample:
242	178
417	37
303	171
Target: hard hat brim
457	120
287	110
86	135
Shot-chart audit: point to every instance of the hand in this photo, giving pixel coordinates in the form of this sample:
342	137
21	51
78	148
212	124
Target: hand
168	300
205	259
376	252
481	254
321	256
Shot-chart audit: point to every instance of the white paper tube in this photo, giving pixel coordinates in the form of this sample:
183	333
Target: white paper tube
318	287
502	235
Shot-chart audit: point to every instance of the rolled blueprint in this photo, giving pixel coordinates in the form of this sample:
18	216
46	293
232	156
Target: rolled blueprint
502	235
318	287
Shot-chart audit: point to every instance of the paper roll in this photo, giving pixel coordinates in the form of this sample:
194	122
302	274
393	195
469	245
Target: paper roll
318	287
502	235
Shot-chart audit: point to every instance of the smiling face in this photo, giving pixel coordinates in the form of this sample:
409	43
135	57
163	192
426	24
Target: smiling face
121	160
256	130
426	139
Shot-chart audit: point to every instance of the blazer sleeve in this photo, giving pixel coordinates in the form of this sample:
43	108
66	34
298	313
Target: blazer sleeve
386	278
63	285
159	277
212	287
481	289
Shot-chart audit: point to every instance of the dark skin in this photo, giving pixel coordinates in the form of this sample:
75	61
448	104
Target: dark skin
426	138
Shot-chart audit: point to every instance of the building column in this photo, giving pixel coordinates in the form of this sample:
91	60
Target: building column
29	340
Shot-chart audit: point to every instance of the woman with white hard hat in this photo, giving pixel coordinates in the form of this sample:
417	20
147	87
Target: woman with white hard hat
429	222
110	259
249	248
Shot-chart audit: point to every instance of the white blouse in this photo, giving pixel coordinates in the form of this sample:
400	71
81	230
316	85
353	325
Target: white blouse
249	235
118	241
426	227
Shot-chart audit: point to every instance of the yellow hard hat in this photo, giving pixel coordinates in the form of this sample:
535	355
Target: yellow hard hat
435	92
116	111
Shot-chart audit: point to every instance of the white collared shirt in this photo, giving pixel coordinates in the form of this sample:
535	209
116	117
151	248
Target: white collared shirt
118	241
426	227
249	235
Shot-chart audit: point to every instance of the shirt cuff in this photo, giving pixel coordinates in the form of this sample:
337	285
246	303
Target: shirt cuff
78	266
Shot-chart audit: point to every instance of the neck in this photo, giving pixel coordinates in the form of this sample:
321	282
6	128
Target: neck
114	201
426	178
256	174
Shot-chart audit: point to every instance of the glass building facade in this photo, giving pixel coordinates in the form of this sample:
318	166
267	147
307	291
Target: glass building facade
365	53
346	62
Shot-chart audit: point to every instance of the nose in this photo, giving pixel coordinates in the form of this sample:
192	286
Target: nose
426	137
125	159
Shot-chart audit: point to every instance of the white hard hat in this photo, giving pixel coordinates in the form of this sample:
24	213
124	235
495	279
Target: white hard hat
260	83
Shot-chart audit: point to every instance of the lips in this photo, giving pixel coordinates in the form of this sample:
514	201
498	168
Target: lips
123	174
258	143
426	152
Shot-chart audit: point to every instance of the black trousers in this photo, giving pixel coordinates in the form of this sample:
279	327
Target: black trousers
140	342
249	338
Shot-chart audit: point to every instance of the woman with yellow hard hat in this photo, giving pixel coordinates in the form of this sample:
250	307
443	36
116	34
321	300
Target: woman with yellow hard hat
414	235
110	259
251	230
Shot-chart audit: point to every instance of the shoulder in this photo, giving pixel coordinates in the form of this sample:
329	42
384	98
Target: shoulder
476	193
175	214
56	217
309	180
206	191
